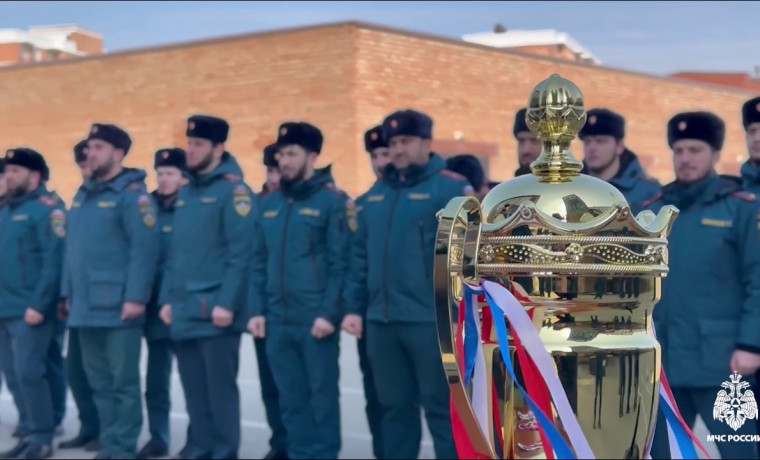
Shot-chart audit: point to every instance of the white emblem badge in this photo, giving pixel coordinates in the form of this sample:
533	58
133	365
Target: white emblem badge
735	407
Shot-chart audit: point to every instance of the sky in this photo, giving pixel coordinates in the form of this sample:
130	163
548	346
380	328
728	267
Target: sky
652	37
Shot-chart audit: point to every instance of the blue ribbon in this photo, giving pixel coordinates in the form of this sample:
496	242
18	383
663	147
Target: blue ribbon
685	443
556	440
470	338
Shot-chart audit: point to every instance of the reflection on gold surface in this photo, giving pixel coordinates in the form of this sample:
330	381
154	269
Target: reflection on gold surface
593	273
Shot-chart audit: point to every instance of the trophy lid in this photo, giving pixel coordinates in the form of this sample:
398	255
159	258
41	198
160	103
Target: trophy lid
556	186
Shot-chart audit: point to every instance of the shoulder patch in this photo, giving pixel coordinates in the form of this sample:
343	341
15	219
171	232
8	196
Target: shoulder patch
652	200
234	178
333	188
147	211
452	175
749	197
241	200
49	200
58	223
351	213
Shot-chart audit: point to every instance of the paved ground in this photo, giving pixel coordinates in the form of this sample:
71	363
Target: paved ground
356	438
255	434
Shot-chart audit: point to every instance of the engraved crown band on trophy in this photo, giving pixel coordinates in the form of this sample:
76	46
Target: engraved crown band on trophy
588	272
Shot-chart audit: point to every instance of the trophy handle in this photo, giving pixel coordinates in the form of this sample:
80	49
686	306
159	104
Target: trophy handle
459	225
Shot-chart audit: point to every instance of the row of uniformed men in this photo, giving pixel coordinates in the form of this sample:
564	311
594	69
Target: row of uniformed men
193	266
387	304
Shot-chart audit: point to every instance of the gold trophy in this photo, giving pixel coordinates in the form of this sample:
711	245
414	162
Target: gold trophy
592	273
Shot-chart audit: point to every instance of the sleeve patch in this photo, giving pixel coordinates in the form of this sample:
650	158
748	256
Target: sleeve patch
147	210
58	223
241	200
351	213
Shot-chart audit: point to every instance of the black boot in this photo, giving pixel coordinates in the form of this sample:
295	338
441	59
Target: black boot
79	441
153	450
19	433
273	454
92	446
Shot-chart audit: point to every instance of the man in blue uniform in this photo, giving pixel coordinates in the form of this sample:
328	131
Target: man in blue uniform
170	167
470	167
32	232
298	266
606	157
203	291
528	145
751	122
379	153
279	441
89	424
6	357
392	281
708	319
111	254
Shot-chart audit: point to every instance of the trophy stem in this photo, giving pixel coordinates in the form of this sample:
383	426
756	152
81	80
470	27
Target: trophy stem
556	162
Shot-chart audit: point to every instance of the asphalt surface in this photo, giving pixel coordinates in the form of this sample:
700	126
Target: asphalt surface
255	431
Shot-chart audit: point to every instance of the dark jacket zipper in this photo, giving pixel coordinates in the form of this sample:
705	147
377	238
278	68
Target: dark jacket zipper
385	254
421	227
22	260
282	260
313	255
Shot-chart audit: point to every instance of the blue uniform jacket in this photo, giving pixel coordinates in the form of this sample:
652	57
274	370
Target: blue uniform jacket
751	177
209	252
710	303
111	250
32	232
300	257
635	185
155	329
393	249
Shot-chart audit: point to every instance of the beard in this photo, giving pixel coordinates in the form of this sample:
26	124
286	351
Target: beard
103	170
602	168
21	190
287	182
203	164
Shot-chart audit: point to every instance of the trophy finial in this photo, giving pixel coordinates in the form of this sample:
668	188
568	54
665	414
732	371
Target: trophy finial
556	114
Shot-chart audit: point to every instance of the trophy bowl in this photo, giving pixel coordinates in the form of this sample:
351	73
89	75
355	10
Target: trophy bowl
588	273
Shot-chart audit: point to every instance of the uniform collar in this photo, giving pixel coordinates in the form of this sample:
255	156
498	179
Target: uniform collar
227	166
750	173
306	188
415	174
16	201
708	190
118	183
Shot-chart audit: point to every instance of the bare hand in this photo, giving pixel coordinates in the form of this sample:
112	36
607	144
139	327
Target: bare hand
33	317
257	326
64	309
132	310
322	328
744	362
166	314
353	325
221	317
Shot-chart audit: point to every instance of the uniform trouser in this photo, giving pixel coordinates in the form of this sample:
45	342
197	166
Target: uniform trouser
11	381
699	401
56	373
306	373
111	358
29	346
412	373
158	389
208	369
279	440
372	408
89	422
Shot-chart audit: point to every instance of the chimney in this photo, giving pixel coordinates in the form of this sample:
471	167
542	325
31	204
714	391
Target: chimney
499	29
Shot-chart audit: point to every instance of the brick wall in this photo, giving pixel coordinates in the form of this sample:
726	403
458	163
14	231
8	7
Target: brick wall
87	43
10	52
343	78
